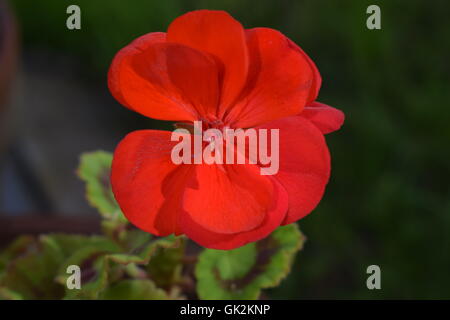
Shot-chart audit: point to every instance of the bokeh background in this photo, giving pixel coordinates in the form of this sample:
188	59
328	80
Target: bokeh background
388	201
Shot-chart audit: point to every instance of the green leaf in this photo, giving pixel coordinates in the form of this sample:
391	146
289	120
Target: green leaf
95	274
235	264
133	289
6	294
166	265
30	275
95	271
17	247
243	272
142	254
36	268
135	240
94	170
104	265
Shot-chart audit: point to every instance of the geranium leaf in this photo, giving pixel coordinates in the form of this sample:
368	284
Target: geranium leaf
102	265
17	247
133	289
94	170
31	273
142	254
6	294
36	268
166	265
243	272
95	276
91	258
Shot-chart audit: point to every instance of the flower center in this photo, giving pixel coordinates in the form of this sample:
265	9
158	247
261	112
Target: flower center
206	123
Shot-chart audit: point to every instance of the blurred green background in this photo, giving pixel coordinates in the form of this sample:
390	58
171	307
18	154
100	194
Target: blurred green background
388	201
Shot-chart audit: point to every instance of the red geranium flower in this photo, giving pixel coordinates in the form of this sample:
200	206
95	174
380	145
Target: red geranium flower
207	67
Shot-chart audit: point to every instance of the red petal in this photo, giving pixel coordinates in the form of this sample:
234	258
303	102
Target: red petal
218	34
272	220
304	164
228	198
164	80
280	78
146	183
138	45
326	118
317	79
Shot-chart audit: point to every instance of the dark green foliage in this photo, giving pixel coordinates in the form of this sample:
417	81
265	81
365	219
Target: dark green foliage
388	201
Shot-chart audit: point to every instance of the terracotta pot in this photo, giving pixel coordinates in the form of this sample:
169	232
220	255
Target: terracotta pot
8	60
